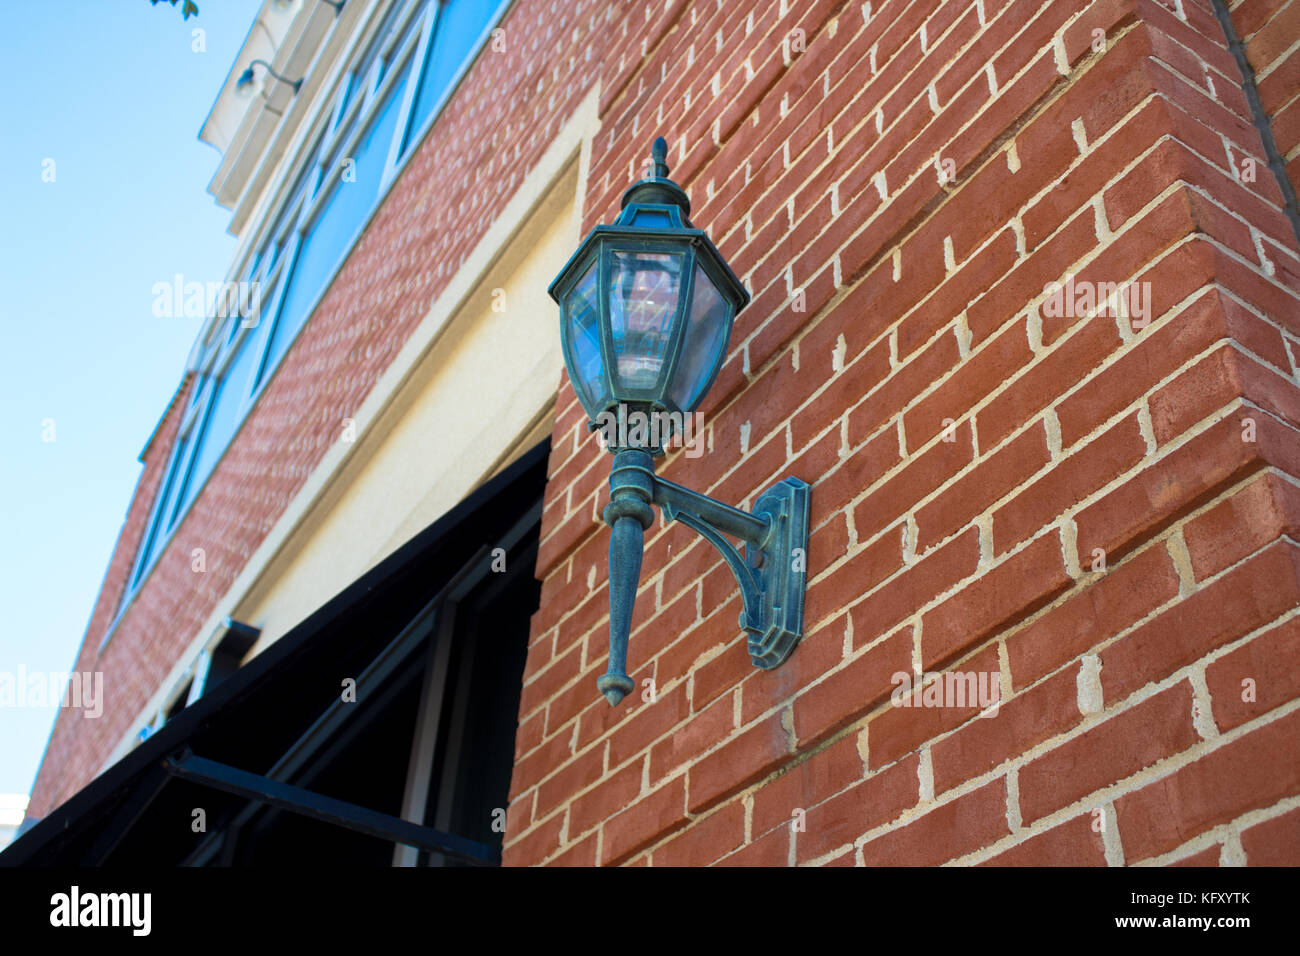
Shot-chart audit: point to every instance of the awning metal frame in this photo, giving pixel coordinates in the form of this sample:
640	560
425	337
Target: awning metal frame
186	765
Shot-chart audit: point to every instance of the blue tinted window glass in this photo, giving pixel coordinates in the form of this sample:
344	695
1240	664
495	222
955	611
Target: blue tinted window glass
268	254
309	271
345	95
459	24
158	531
350	199
222	422
171	509
170	492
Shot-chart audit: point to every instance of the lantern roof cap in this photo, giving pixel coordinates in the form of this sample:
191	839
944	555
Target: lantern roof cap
658	189
654	209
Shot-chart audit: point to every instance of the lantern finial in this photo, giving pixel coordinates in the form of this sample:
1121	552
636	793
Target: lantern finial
657	188
659	155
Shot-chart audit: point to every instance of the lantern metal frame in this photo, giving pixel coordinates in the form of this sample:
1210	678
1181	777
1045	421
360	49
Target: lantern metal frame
771	569
655	199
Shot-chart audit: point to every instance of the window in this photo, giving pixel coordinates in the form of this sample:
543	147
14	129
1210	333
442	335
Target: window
341	103
353	188
458	27
363	65
375	119
169	491
152	539
223	411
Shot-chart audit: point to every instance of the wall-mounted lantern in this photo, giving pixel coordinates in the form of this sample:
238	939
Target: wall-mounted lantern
646	308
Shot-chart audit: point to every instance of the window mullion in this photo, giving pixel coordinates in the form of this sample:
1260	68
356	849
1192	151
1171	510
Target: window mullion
428	29
340	107
191	452
152	528
286	275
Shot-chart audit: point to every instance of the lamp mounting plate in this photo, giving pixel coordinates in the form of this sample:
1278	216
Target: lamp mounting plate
780	569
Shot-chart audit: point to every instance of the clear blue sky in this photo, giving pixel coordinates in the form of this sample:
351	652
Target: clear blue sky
113	92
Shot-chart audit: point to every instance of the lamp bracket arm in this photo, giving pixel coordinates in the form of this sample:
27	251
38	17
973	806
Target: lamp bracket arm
751	619
754	530
770	569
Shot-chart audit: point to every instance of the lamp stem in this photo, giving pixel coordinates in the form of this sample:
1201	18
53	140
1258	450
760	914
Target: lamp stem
626	542
631	489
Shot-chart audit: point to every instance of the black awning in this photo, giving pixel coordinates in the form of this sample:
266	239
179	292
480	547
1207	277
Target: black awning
138	811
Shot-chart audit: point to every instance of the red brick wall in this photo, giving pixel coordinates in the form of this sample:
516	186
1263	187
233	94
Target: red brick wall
1103	517
493	131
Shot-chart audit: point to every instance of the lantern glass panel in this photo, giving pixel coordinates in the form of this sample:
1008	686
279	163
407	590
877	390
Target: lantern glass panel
704	339
644	290
582	309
